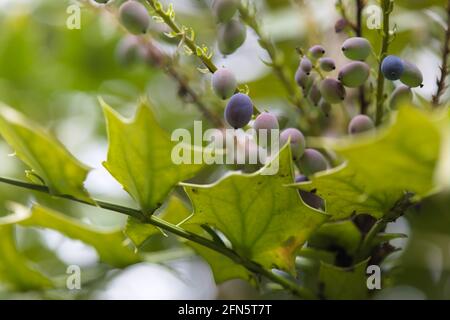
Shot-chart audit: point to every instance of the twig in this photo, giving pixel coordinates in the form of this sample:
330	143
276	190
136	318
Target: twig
176	230
277	59
441	81
387	6
180	33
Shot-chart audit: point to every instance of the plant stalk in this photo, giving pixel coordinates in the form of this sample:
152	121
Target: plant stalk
441	82
387	7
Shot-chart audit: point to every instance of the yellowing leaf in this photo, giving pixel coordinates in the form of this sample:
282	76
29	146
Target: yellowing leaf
139	157
264	220
47	157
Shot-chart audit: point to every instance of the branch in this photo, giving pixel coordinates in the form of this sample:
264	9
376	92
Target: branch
441	82
176	230
387	6
249	17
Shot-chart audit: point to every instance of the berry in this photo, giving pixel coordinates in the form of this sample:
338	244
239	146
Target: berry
134	17
297	140
301	178
314	95
340	25
411	76
312	162
129	51
360	123
265	121
317	51
327	64
224	10
306	65
356	48
239	110
354	74
224	83
325	107
101	1
402	94
392	67
302	79
231	36
332	90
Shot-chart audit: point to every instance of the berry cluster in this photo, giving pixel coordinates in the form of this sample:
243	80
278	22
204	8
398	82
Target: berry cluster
318	76
232	32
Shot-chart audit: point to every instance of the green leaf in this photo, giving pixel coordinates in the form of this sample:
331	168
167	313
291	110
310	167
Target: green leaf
343	234
344	283
263	219
48	158
176	211
139	157
223	268
15	269
380	169
110	245
138	232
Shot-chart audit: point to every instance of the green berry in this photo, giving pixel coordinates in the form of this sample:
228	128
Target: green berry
356	48
401	95
354	74
297	141
411	75
231	36
224	10
134	17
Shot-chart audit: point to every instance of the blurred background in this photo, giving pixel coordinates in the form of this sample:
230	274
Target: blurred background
55	75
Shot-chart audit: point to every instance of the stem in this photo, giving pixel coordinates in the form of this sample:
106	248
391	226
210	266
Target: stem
387	7
176	230
182	36
277	59
359	32
441	82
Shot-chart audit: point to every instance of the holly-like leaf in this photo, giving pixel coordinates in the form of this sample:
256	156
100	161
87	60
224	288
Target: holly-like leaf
176	212
139	157
379	170
110	244
342	234
138	232
343	283
15	269
48	159
263	219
